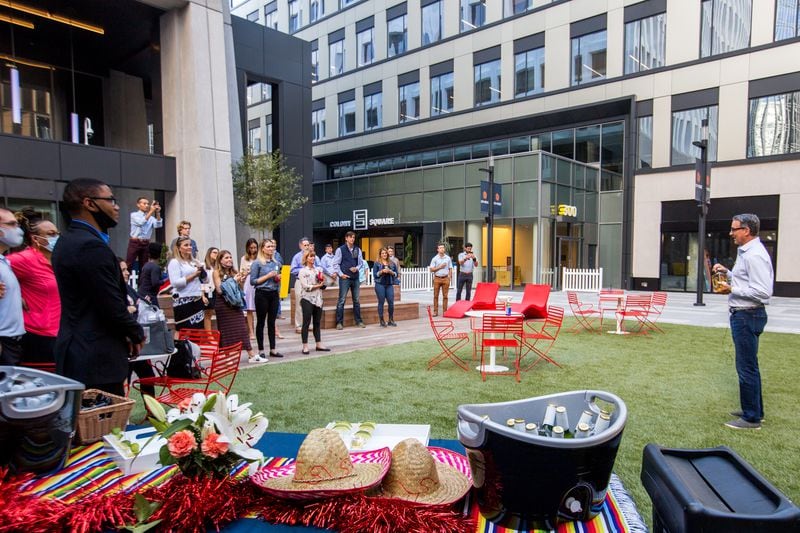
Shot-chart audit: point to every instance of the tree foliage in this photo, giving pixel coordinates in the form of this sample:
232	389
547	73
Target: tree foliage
266	189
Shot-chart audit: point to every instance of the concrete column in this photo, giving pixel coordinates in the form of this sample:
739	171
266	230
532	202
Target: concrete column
197	117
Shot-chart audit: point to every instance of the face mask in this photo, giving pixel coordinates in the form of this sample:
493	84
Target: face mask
51	242
103	220
12	237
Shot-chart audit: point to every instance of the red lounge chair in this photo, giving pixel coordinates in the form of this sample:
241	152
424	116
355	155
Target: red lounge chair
449	340
534	301
484	298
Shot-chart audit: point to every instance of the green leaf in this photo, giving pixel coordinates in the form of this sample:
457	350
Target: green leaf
164	457
176	426
144	508
157	424
209	405
140	528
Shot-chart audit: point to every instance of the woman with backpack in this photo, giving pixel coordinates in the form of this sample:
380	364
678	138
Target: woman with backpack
229	305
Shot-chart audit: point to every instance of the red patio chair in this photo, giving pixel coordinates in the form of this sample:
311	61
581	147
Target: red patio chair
539	341
220	378
501	331
637	307
610	300
585	314
449	340
206	339
45	367
484	298
657	304
534	301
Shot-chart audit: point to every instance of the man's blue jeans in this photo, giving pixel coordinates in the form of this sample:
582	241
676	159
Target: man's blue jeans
746	326
344	284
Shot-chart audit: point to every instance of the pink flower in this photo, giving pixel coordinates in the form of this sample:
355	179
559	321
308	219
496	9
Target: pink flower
212	446
182	443
184	404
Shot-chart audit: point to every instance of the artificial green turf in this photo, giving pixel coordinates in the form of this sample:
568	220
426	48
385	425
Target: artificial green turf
678	387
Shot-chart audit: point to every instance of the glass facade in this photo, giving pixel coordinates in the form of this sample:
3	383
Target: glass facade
366	48
774	125
787	19
487	83
432	23
396	36
646	43
473	14
644	145
724	26
336	57
686	128
408	102
318	124
347	117
314	66
529	72
588	58
373	111
442	94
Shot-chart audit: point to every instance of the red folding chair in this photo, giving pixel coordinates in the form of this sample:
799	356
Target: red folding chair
501	331
585	314
207	340
539	341
637	307
449	340
220	378
610	300
657	305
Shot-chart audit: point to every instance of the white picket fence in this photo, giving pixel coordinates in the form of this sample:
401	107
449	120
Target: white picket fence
581	279
417	279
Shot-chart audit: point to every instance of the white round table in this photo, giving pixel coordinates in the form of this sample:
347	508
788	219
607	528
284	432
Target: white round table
492	367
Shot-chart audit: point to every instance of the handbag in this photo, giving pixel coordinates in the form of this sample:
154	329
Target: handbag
157	336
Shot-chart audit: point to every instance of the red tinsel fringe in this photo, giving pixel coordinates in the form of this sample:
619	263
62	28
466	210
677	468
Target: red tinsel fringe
197	504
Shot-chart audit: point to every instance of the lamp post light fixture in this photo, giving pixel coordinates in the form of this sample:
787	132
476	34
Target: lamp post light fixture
489	219
702	205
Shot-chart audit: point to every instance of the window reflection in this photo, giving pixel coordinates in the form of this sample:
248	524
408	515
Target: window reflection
589	58
724	26
487	83
432	23
442	94
787	19
529	72
774	125
646	43
409	102
347	117
686	128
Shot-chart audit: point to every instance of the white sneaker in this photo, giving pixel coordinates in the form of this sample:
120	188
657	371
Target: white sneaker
257	359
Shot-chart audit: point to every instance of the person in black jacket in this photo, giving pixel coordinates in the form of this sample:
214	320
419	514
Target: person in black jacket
150	275
97	335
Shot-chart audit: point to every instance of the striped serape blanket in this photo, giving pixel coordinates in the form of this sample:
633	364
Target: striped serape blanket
89	470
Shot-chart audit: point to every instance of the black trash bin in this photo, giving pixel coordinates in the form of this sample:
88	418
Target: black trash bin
38	413
527	481
712	490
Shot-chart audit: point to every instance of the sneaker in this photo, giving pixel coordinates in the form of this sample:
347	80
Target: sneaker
392	323
383	324
258	359
741	423
739	414
361	325
339	326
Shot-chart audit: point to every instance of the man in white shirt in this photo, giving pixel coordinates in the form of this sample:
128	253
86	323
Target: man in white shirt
12	326
326	263
143	222
441	265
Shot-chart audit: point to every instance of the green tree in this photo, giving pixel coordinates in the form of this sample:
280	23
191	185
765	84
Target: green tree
408	260
267	190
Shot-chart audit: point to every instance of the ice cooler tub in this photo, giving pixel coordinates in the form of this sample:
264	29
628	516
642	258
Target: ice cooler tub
524	480
38	413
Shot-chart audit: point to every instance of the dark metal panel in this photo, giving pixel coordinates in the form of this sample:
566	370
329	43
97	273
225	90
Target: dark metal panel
531	42
587	26
408	77
487	54
373	88
144	171
644	108
25	156
786	83
80	161
316	105
314	45
365	24
424	3
31	188
346	96
337	35
645	9
396	11
695	99
441	68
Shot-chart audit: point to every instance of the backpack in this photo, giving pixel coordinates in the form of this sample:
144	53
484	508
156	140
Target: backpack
232	293
184	363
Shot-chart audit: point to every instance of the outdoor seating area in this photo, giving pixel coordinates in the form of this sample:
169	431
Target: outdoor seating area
641	310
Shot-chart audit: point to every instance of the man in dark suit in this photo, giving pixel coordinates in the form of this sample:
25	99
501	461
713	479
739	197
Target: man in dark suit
97	335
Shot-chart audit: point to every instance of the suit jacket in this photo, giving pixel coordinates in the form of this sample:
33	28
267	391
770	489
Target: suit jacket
92	342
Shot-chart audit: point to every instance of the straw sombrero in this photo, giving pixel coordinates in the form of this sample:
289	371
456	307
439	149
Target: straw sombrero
324	468
426	475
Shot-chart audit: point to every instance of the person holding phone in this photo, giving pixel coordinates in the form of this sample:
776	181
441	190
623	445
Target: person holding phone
384	273
466	266
144	220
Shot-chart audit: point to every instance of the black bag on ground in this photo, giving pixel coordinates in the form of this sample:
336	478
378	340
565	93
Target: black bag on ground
184	363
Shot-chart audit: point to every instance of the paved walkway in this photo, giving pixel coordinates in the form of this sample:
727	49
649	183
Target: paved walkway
784	317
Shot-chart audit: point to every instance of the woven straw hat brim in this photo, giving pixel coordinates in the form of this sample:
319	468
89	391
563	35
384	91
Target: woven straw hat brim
366	475
453	485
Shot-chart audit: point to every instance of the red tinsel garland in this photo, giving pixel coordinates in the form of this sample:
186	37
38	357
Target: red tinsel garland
196	504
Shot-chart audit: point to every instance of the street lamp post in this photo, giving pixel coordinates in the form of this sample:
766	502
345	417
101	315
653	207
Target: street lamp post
490	220
702	205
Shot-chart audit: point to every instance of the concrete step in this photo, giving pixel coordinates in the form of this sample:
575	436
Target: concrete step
369	314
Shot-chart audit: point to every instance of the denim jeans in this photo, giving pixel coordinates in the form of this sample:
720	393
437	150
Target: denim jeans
464	281
746	326
385	293
346	284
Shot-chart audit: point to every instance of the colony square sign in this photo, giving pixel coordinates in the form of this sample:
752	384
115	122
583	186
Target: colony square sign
361	221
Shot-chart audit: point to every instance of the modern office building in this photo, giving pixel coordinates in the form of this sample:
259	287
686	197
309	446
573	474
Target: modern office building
589	110
148	96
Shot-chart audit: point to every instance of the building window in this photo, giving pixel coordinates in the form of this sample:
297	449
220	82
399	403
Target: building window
431	23
318	125
774	125
295	16
646	43
397	38
254	137
336	57
515	7
473	14
442	94
253	17
345	3
645	142
347	117
268	147
366	49
529	72
373	111
409	102
724	26
589	58
314	66
686	128
787	19
487	83
316	10
258	92
271	19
